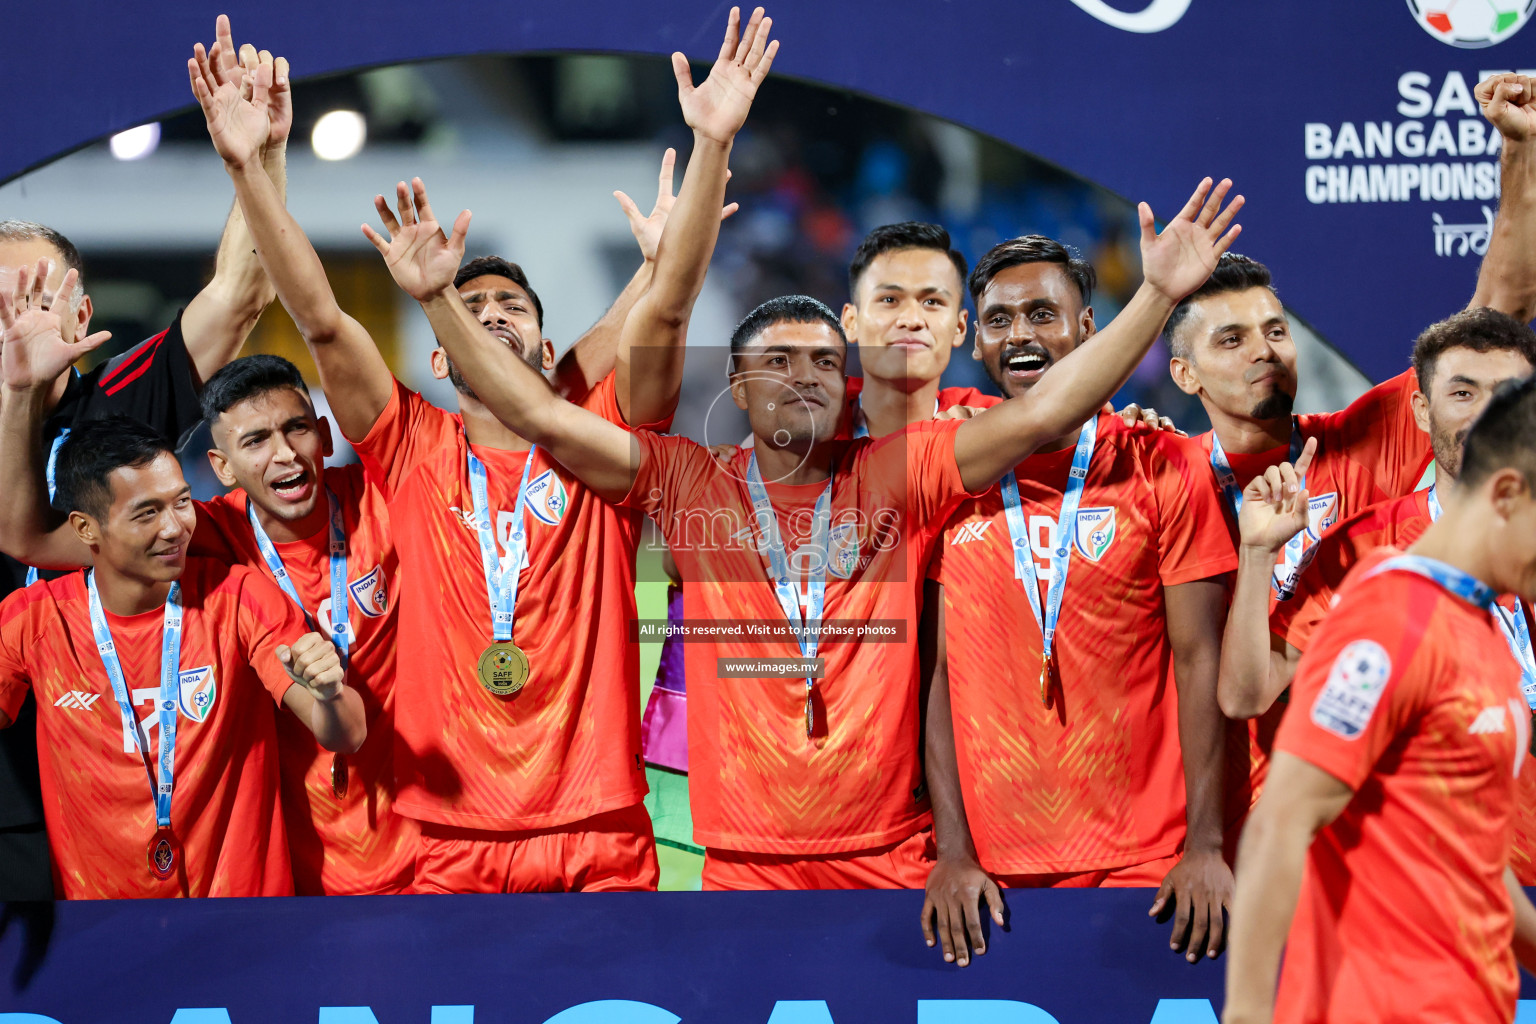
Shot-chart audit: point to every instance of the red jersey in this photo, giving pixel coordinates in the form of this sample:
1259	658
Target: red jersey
354	844
1096	782
1395	524
100	812
758	784
1409	696
568	745
947	399
1368	453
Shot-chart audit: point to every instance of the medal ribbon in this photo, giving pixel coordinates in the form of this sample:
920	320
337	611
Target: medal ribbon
341	622
501	586
1061	555
166	706
1291	565
784	587
1516	632
53	463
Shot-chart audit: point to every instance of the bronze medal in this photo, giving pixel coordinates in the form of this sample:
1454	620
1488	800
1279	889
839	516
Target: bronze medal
162	854
503	668
338	776
1046	663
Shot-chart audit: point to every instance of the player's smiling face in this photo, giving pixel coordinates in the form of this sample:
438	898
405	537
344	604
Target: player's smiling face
790	381
148	526
1028	318
273	447
1460	385
1241	357
907	315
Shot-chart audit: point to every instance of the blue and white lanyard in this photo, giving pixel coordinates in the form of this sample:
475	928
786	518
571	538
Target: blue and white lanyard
1516	632
500	584
1285	580
53	463
784	587
861	422
341	620
166	706
1066	529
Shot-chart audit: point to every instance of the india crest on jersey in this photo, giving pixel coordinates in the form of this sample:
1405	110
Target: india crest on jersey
1095	532
546	498
1322	512
370	593
843	550
199	690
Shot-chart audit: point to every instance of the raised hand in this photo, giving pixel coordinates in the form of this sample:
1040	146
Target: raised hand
1181	258
647	229
1275	504
718	108
312	662
235	104
420	258
1135	417
33	349
1509	103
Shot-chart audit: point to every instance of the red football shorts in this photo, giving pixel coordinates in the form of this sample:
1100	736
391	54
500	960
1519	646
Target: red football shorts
1137	876
614	851
903	865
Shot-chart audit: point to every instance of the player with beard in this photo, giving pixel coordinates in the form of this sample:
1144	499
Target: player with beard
1377	858
528	779
1460	363
807	527
1059	604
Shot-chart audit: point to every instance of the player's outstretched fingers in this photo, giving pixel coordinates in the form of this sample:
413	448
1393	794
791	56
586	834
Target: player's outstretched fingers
1304	461
728	46
404	205
1199	925
1218	940
1196	200
1183	915
976	939
930	909
1213	203
386	215
957	937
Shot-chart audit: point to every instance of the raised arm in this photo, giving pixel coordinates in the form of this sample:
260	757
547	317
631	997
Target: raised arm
357	381
320	696
1507	279
649	370
605	456
595	353
220	317
1175	263
33	353
1253	672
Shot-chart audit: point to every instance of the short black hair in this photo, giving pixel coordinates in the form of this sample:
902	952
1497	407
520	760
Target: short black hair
247	378
1504	436
1033	249
1234	273
93	451
495	266
26	231
786	309
1480	329
909	234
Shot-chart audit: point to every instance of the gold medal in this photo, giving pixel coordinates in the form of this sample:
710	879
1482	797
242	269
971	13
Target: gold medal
503	668
810	714
162	854
338	776
1046	663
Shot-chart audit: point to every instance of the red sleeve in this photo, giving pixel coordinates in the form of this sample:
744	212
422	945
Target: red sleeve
673	472
267	619
930	476
1357	686
408	430
211	539
1378	433
1194	538
15	641
603	399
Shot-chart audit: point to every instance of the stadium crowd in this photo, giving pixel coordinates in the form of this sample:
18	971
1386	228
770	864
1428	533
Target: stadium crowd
928	638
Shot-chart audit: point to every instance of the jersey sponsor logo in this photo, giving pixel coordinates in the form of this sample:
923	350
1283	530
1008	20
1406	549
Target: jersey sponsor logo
967	532
370	593
1488	720
546	498
1354	687
199	690
77	700
1095	532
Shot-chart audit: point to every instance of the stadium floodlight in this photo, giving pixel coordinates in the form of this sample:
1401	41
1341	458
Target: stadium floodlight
136	143
339	135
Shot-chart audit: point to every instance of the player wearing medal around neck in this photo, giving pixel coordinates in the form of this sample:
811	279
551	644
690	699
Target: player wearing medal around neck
518	692
1460	363
181	800
1096	771
816	782
1230	345
1377	856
